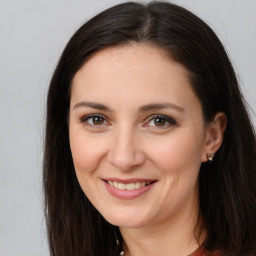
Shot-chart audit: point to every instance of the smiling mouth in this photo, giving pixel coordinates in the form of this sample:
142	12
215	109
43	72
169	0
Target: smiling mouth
129	186
128	189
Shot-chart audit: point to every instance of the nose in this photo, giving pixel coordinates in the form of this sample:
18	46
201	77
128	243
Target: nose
126	154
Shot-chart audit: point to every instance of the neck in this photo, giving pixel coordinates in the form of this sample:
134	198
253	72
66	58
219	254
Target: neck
179	236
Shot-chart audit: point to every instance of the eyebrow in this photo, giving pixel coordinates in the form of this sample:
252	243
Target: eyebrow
92	105
142	109
157	106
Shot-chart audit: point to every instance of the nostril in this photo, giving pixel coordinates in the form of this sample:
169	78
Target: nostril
124	160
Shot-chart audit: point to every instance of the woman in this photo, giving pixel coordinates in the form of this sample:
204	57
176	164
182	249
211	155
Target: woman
149	149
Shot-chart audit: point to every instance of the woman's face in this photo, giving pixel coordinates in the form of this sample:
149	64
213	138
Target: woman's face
137	136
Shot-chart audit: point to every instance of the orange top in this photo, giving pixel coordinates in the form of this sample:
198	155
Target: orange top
203	252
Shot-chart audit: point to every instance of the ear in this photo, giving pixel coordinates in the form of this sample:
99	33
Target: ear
214	135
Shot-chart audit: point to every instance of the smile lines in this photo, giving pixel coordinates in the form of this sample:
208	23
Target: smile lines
128	186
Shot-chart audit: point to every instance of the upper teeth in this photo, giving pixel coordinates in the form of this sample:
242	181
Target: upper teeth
128	186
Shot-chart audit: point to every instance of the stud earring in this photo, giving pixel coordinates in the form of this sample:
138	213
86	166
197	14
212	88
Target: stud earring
210	156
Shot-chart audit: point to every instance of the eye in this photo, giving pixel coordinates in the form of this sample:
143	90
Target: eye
160	121
94	120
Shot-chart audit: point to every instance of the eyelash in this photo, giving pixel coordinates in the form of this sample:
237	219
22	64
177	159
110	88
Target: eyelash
166	119
86	118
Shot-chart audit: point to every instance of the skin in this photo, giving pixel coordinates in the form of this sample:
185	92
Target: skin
127	141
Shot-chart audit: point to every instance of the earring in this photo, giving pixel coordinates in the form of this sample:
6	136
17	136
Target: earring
210	156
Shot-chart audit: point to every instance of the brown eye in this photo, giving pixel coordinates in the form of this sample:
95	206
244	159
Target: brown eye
159	122
94	120
98	120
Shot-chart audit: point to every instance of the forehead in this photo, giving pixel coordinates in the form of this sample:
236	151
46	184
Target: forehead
132	73
129	62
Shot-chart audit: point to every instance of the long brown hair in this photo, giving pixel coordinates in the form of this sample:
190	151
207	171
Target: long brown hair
227	186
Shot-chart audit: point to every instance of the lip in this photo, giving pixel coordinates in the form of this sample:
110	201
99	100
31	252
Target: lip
126	181
128	194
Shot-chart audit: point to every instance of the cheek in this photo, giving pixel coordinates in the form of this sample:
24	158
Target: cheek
87	156
86	153
180	153
177	160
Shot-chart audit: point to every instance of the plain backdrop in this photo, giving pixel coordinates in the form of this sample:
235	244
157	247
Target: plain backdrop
32	37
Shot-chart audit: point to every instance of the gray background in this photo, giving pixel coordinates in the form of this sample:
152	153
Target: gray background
32	37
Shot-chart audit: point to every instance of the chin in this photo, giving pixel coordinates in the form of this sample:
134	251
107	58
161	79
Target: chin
126	220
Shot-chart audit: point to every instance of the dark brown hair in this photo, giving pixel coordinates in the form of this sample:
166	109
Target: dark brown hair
227	185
